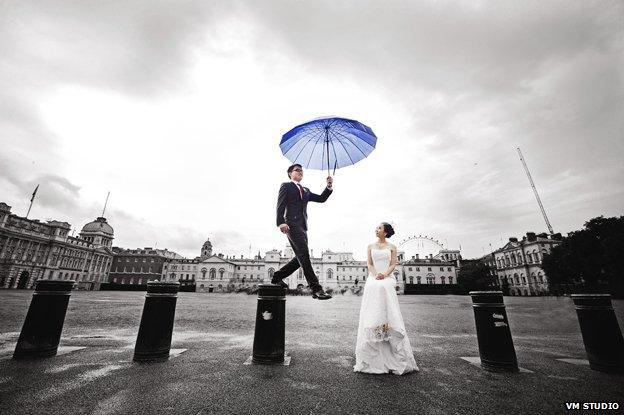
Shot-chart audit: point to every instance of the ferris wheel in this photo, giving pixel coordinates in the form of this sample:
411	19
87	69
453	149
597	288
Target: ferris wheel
420	244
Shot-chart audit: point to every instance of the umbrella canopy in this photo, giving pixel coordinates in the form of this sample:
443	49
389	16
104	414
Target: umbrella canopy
328	142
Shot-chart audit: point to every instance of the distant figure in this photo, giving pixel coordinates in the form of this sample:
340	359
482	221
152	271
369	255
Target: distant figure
382	344
292	220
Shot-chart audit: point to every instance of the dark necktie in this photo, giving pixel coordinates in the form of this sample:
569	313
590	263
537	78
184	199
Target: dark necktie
300	190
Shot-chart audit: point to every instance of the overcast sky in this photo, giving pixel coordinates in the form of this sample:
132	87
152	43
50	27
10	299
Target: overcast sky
178	107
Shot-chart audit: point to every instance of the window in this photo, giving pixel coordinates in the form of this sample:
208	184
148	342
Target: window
443	279
417	268
449	268
418	279
441	268
429	269
411	280
409	268
450	279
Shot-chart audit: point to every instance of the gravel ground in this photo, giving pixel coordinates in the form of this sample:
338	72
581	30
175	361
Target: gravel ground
217	332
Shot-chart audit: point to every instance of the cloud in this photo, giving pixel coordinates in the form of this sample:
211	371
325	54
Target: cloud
177	108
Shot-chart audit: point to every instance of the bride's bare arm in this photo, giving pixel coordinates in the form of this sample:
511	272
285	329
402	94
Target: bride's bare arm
393	261
369	262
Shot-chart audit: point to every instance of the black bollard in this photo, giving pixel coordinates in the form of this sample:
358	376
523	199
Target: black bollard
42	328
154	338
601	333
268	345
496	347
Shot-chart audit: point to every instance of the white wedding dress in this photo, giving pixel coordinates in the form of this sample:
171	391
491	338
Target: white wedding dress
382	343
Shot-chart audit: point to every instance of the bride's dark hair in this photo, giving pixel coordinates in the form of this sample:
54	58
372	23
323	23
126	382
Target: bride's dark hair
388	229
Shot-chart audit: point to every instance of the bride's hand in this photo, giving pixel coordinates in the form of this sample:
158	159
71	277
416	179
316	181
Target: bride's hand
380	276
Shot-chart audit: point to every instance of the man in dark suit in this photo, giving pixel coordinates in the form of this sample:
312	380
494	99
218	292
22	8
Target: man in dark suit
292	220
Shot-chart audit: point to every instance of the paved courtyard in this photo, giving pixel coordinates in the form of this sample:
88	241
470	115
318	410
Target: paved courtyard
213	337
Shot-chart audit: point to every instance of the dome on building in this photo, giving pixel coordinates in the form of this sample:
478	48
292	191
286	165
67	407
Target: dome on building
98	225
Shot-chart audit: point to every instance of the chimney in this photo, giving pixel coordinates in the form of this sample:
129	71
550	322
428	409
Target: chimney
531	236
417	256
513	239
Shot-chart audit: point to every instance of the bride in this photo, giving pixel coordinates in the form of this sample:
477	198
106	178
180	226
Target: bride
382	344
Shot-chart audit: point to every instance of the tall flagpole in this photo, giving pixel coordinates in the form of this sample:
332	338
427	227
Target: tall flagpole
31	201
105	203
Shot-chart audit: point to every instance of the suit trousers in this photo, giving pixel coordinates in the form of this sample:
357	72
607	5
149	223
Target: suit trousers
298	238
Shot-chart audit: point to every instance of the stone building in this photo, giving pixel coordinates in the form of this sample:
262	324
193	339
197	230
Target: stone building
439	269
31	250
138	266
519	263
335	270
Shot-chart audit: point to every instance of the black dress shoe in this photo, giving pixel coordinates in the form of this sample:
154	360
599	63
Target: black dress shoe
321	295
280	283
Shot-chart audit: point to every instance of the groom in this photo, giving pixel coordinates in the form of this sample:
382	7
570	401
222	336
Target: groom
292	220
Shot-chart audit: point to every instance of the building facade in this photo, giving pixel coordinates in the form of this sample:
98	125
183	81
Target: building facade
439	269
31	250
519	264
138	266
335	270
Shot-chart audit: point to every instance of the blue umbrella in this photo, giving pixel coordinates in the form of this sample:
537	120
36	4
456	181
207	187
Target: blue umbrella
329	141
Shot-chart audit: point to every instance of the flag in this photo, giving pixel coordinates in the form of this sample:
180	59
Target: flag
34	193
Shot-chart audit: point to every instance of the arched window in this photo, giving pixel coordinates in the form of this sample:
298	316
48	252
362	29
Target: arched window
411	279
330	274
221	272
213	273
450	279
443	279
271	272
417	279
204	271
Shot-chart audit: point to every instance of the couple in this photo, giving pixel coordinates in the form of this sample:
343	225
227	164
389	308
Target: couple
382	344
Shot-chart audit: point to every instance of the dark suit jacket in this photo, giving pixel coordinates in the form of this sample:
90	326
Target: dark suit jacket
291	209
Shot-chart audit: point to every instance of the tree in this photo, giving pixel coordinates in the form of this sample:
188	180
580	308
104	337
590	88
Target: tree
591	257
475	275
